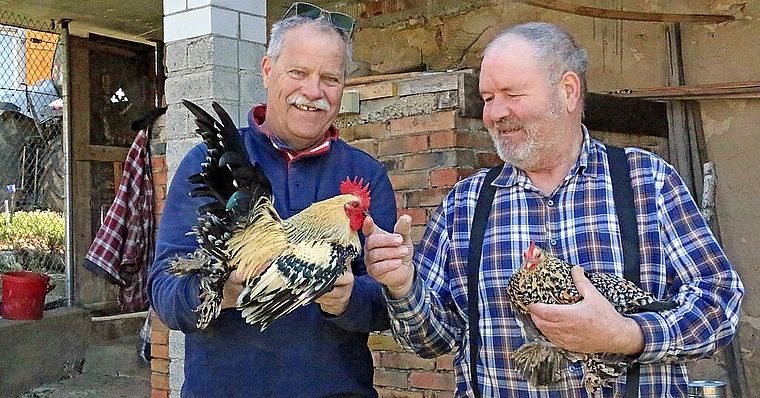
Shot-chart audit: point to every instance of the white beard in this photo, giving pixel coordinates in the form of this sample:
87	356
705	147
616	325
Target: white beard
526	154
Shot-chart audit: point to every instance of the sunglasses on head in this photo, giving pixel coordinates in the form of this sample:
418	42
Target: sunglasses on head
339	20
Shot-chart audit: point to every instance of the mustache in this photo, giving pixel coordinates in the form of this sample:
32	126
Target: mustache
507	124
300	100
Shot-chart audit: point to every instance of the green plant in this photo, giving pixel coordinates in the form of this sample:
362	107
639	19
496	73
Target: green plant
33	230
36	240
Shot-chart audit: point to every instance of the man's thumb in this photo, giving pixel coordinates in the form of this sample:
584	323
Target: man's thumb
369	227
581	282
403	227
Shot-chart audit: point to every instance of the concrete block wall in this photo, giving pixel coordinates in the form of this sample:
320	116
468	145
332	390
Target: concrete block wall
213	53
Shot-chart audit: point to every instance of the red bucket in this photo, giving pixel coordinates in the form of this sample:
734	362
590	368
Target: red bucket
24	294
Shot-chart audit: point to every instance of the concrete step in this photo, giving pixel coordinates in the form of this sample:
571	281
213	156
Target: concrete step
111	369
111	364
118	357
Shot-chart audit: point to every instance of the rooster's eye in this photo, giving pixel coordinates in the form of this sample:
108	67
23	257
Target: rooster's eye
355	205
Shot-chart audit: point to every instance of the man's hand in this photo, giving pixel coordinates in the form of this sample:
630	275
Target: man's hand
336	300
389	256
591	325
233	286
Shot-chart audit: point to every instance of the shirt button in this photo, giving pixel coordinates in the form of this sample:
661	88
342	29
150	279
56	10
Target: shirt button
550	202
553	242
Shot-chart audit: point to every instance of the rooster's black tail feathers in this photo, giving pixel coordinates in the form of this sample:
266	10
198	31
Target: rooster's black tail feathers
227	175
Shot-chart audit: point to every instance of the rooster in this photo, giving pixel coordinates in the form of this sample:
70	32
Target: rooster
286	263
544	278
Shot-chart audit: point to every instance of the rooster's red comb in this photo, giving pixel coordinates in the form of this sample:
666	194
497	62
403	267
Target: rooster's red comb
356	188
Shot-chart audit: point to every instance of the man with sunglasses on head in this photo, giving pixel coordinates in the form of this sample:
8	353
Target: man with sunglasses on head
318	350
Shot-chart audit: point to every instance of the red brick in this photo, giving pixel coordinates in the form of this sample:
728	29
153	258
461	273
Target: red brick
416	180
439	160
443	394
422	123
159	393
391	378
159	178
419	216
405	360
159	365
388	393
159	192
434	381
461	139
445	362
156	324
443	139
159	208
400	200
159	336
402	145
158	163
426	197
448	177
369	146
487	159
417	232
159	350
159	381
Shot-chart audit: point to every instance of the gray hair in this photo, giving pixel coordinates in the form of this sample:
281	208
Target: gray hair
280	28
554	48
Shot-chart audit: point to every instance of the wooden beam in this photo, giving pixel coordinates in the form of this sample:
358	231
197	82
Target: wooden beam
355	81
100	153
625	15
750	89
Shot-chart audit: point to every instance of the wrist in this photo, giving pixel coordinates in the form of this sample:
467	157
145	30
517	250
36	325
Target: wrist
402	291
632	343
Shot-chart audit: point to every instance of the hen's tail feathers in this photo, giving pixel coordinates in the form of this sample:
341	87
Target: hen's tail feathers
540	363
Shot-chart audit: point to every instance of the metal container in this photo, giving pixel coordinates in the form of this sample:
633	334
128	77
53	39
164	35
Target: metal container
706	389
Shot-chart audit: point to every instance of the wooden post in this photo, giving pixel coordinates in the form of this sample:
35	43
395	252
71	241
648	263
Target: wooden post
688	153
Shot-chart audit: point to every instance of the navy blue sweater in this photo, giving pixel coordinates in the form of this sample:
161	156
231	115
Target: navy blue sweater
307	353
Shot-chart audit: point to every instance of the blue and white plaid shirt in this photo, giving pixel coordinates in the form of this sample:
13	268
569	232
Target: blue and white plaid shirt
680	260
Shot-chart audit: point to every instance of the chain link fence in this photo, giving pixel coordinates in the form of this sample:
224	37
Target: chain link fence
31	150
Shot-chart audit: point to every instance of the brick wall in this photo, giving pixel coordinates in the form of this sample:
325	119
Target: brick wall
401	374
159	335
159	365
426	129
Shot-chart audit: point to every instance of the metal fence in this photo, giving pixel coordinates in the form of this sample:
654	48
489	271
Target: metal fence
32	167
